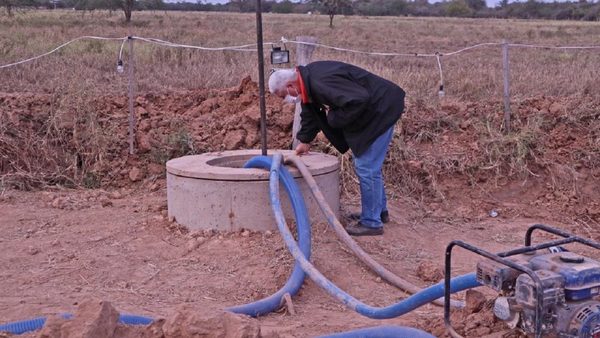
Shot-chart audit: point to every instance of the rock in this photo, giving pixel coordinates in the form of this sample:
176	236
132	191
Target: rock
144	126
135	174
481	331
192	245
58	203
105	202
234	139
144	144
556	108
208	105
153	330
93	318
188	322
245	233
156	169
52	327
33	250
116	195
429	272
474	301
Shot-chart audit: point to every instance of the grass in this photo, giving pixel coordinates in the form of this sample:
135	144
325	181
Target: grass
472	75
422	151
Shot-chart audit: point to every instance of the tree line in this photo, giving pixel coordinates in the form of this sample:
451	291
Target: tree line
530	9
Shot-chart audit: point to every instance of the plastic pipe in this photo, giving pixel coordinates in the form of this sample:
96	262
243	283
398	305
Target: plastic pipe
418	299
37	323
341	233
296	279
386	331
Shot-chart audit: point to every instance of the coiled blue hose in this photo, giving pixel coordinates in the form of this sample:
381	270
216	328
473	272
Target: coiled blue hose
37	323
294	282
385	331
418	299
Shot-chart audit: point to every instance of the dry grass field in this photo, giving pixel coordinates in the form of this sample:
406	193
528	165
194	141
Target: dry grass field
89	66
81	218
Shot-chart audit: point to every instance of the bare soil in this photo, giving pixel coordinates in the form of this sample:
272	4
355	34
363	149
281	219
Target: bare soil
110	248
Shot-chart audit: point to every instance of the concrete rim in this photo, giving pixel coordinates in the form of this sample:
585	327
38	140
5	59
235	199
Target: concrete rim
207	166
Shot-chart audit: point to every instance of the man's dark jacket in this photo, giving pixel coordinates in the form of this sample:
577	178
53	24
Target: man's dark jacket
350	105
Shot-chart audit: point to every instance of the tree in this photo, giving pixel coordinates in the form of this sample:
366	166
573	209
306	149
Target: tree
8	5
332	7
285	6
459	8
476	4
127	6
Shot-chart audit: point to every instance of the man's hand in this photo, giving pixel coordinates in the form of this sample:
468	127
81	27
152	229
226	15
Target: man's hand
302	148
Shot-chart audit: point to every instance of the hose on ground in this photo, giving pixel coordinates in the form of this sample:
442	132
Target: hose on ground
384	331
418	299
37	323
294	282
341	233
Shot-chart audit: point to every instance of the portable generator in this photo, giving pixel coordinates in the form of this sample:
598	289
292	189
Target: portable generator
544	290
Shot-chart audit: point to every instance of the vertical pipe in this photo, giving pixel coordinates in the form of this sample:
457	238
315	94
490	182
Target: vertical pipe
506	75
303	56
131	97
261	78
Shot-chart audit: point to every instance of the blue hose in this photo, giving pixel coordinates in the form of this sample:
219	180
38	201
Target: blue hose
37	323
389	331
418	299
301	255
296	279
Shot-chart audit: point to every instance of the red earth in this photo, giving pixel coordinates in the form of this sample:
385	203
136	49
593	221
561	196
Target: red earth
89	235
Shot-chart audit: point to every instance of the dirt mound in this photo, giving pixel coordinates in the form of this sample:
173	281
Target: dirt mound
49	140
446	154
458	154
97	318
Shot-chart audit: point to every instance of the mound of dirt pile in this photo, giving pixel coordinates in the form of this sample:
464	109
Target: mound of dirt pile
97	318
444	154
50	140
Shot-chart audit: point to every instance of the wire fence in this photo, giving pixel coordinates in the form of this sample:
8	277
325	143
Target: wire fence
438	55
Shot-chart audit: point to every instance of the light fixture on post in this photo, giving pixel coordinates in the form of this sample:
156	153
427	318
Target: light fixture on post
279	56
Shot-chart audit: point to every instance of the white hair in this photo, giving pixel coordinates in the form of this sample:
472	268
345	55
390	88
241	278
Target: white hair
280	78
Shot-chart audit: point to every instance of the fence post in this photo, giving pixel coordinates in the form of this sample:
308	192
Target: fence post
303	56
132	117
506	75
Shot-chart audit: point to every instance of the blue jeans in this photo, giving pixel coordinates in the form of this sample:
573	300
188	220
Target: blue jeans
368	169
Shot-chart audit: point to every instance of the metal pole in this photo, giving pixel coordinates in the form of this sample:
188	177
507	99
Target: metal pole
506	74
131	98
261	78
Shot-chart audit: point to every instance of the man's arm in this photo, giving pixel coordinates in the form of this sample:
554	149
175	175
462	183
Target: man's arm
309	126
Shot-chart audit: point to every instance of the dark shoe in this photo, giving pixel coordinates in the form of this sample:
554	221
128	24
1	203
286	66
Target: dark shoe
360	229
385	216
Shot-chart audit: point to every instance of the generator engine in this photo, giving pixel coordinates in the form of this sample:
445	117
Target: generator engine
570	288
